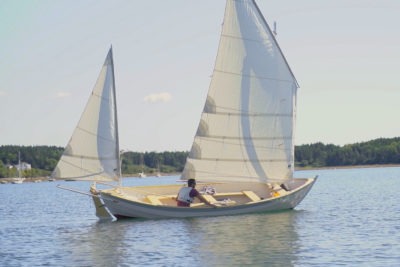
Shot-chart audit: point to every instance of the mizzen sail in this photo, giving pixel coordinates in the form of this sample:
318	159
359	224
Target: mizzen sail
246	130
93	150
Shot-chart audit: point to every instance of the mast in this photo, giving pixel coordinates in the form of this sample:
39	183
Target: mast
19	164
116	120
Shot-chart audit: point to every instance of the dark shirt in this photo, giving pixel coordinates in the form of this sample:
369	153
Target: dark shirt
193	193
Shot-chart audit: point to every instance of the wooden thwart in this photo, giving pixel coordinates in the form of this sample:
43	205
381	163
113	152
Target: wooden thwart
253	197
210	199
155	200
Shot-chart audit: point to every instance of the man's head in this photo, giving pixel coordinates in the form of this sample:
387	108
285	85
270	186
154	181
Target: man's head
191	183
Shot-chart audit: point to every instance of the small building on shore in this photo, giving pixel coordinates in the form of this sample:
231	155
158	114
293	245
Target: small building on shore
23	166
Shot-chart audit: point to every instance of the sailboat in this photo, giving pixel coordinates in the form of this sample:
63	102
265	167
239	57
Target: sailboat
158	174
92	152
18	180
142	174
244	145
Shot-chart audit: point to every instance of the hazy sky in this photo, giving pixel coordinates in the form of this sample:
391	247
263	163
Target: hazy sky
345	55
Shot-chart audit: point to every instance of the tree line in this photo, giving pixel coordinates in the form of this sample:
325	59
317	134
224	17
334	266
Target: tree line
43	159
150	162
377	151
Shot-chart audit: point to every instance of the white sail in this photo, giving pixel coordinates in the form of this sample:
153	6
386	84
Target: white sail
93	150
247	126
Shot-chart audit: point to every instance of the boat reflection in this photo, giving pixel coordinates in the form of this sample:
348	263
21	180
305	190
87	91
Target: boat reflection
97	245
255	239
268	239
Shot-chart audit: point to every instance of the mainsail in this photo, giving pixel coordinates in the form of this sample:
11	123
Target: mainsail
246	130
93	150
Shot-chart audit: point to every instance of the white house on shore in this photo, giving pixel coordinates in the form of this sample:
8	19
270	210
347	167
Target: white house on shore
23	166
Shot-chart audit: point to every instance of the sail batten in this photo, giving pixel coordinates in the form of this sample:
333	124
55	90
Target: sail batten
234	110
87	172
96	135
246	138
101	97
88	157
252	114
225	142
246	130
242	160
243	38
252	76
93	150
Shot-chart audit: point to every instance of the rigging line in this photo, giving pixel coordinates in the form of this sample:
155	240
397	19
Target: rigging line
242	145
76	191
242	110
246	138
228	108
80	177
111	185
240	160
247	39
96	135
252	76
88	157
86	170
252	114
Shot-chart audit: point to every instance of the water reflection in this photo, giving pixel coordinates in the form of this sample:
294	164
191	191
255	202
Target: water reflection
267	239
262	239
96	245
43	226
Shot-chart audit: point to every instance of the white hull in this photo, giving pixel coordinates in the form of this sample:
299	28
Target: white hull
17	180
121	207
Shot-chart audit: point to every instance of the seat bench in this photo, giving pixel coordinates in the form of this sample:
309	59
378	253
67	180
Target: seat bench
155	200
252	196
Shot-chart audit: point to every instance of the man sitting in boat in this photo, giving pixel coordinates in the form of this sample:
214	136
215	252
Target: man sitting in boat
187	194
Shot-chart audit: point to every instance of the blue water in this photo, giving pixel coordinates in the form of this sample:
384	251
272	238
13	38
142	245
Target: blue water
351	217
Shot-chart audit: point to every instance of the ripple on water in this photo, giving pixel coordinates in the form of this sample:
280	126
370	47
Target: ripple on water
349	218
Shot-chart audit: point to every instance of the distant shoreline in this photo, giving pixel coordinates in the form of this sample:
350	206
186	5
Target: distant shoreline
46	179
152	174
346	167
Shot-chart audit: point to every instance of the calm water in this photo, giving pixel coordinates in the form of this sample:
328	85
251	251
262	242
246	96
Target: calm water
351	217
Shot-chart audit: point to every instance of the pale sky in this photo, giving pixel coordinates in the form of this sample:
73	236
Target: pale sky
345	55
